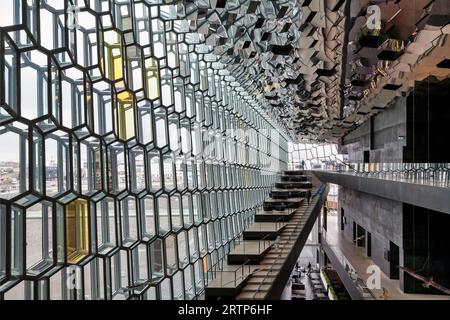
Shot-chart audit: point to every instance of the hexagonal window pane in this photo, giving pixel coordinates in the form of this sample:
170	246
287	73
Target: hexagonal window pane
155	171
116	168
193	244
90	162
72	98
17	292
187	209
112	65
39	237
182	244
14	160
147	214
119	275
128	216
17	241
178	286
106	225
124	116
140	265
189	285
162	205
33	86
2	241
145	122
150	294
57	157
165	289
136	169
168	169
157	259
77	231
176	212
56	285
161	127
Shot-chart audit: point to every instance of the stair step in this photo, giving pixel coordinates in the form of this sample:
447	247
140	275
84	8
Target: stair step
266	274
251	296
260	281
256	287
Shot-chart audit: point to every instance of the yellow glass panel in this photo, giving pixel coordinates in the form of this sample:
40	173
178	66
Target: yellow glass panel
152	79
125	116
111	62
117	64
77	231
205	264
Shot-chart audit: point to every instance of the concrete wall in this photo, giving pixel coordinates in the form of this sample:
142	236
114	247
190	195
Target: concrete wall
387	127
355	142
382	136
410	130
379	216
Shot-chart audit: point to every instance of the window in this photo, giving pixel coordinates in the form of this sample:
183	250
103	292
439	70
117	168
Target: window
125	151
157	259
2	241
39	248
128	219
106	222
77	231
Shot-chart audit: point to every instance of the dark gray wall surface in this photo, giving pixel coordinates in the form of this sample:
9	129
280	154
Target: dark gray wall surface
388	126
379	216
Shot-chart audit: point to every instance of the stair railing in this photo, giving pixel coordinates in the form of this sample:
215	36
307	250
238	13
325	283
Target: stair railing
289	237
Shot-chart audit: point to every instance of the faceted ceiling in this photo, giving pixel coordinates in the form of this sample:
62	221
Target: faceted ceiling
315	65
314	68
285	53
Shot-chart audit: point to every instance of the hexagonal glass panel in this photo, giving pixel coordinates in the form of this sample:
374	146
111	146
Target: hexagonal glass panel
14	160
77	231
130	139
106	221
129	220
39	237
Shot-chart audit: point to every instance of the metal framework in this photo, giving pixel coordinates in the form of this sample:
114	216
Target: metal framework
130	157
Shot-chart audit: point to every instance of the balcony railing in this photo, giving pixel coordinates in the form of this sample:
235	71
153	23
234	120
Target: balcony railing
358	283
437	174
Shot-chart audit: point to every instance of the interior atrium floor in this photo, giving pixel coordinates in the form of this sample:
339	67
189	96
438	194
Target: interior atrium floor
358	259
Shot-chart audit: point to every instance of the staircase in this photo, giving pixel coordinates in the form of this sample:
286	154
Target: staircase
268	243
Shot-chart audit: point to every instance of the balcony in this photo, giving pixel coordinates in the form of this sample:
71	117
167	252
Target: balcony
404	182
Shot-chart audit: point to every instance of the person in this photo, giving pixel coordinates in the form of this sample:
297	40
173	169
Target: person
309	267
303	164
276	244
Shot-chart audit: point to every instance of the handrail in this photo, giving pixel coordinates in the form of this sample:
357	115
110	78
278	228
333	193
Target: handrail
279	223
269	271
235	278
346	164
351	270
263	240
235	272
434	173
288	238
364	288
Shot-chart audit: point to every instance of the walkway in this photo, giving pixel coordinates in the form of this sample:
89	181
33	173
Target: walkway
399	189
358	259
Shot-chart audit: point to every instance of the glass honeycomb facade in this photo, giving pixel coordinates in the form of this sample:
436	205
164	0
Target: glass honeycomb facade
314	156
131	158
